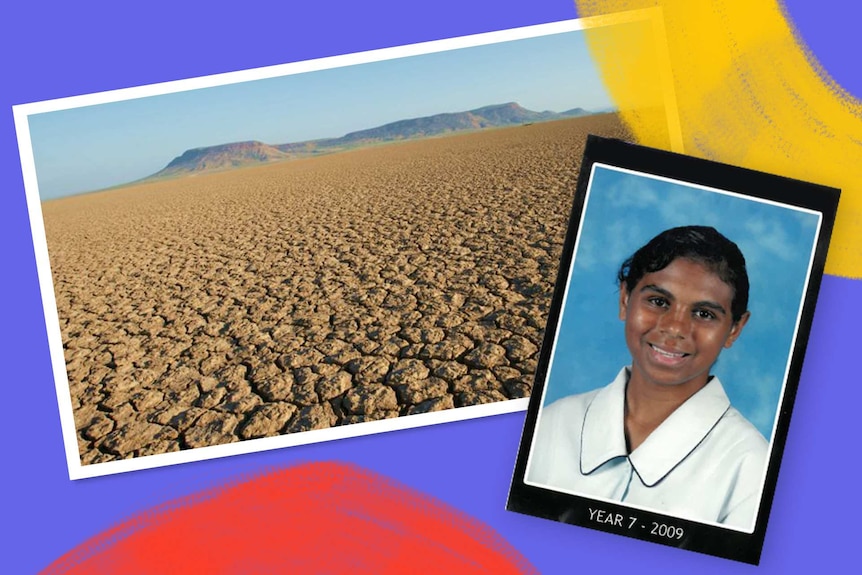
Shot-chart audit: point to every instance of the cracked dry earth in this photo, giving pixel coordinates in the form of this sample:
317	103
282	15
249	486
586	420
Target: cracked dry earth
370	284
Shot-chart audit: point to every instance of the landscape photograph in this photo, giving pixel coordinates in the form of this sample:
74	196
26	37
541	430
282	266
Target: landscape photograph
320	250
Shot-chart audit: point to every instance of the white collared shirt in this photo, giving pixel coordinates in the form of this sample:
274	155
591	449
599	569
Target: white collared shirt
704	462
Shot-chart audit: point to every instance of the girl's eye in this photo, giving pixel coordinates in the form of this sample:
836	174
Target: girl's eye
704	314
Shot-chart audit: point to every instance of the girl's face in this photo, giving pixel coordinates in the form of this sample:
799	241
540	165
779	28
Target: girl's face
678	320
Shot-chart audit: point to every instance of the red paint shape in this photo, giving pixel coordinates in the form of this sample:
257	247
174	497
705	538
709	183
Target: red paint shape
312	518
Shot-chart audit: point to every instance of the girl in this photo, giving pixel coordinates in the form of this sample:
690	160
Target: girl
663	435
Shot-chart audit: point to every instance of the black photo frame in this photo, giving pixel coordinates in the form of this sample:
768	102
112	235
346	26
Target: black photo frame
619	187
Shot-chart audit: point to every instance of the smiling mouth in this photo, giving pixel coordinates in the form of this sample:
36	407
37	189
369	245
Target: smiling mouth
667	356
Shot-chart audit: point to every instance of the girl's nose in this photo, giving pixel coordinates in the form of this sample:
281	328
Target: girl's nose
674	323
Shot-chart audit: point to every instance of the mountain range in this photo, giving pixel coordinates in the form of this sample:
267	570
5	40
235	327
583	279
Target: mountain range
241	154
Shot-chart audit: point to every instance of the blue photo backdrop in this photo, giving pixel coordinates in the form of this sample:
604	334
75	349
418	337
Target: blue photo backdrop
624	210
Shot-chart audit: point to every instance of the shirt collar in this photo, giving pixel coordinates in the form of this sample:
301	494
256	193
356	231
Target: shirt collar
666	446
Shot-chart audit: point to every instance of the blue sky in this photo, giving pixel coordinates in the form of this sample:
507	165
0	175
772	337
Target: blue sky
98	146
626	210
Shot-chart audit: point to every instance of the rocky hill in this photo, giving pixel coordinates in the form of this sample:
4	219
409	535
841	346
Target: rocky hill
221	157
241	154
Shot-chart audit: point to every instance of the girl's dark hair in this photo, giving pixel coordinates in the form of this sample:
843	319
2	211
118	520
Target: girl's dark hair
702	244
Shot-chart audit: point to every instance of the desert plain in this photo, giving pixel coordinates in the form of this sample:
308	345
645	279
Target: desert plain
376	283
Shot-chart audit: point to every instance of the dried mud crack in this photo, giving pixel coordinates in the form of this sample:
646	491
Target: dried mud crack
371	284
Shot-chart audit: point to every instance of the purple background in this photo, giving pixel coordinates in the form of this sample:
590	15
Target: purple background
52	49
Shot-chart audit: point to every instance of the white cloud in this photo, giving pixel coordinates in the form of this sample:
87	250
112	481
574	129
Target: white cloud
771	237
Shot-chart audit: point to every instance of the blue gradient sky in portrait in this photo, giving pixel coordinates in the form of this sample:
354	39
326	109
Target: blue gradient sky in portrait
624	211
94	147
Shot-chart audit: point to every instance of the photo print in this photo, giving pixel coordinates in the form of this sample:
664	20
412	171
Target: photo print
312	251
673	350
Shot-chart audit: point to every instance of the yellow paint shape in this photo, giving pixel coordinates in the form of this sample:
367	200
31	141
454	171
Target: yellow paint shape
748	93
